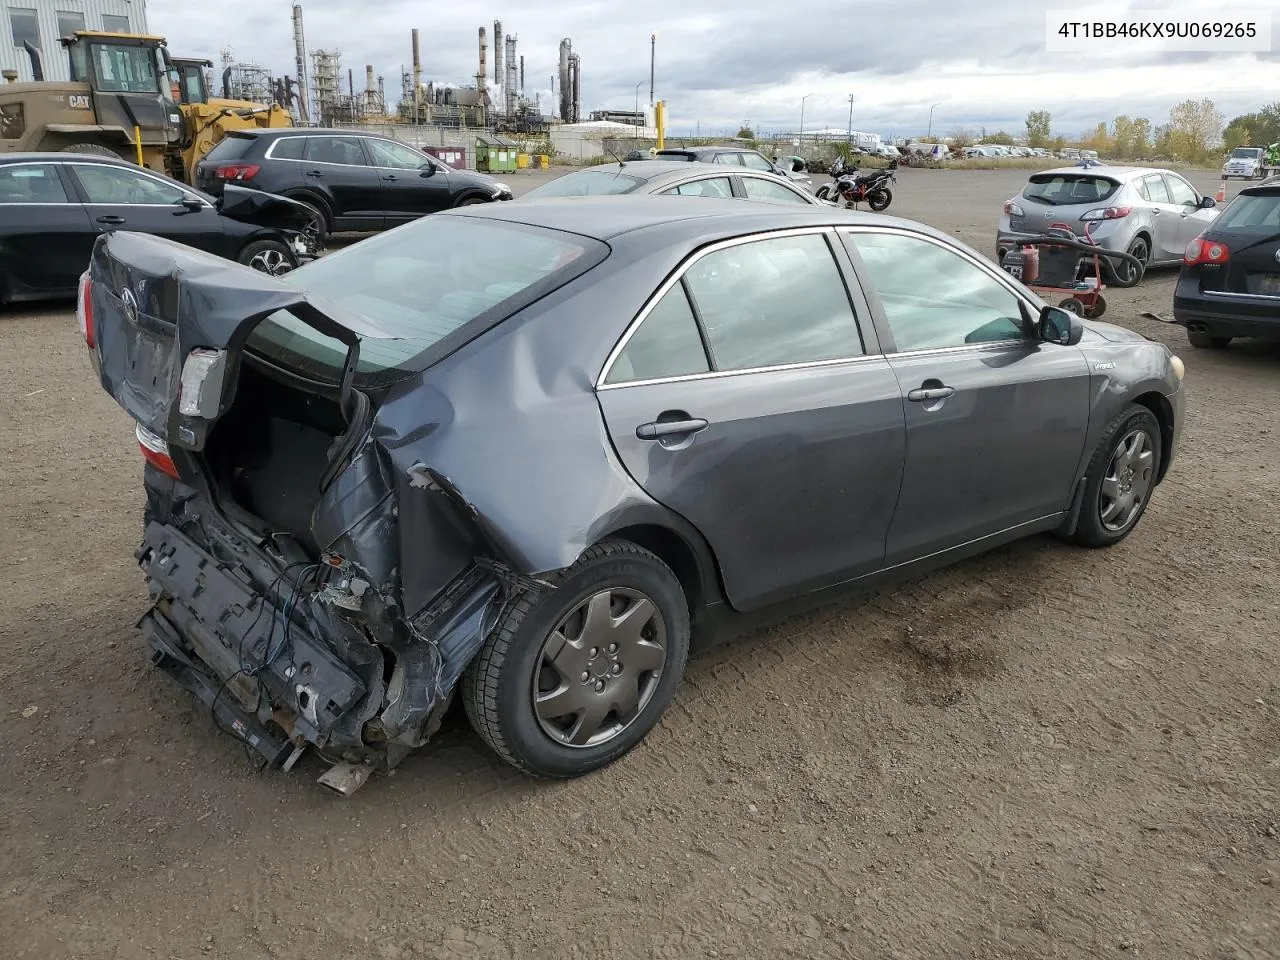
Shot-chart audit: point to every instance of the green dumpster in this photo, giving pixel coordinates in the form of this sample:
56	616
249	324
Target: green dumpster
495	154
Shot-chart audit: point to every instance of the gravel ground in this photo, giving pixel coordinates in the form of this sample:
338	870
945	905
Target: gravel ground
1045	752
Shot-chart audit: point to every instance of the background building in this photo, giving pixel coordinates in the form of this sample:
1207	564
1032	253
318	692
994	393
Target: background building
42	22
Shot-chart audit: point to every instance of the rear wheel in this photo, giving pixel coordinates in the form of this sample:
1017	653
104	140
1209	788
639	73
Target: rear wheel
880	200
1074	305
318	229
572	678
1098	309
1124	273
268	256
1206	340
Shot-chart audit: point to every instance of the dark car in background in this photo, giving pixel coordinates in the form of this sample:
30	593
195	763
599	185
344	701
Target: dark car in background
536	452
674	178
53	206
793	169
350	179
1230	281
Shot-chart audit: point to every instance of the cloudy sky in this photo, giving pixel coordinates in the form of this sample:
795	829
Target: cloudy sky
720	63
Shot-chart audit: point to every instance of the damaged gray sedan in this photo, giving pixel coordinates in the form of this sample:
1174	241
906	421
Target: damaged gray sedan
525	454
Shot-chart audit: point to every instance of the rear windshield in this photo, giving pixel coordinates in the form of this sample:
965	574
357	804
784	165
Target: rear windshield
1062	189
420	284
586	183
1251	213
229	148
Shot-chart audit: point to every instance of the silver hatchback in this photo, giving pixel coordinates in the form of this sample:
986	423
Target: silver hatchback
1149	213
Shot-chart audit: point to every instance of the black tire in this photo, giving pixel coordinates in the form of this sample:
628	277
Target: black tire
1074	305
94	150
320	224
468	201
1205	340
880	199
1091	529
1123	273
498	687
1098	309
268	256
823	192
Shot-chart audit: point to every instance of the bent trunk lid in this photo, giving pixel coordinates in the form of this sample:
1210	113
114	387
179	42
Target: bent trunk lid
154	301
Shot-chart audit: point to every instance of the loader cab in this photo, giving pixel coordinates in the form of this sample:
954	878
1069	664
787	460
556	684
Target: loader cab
192	80
129	79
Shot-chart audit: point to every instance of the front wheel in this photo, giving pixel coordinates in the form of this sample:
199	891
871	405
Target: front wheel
823	193
268	256
880	199
1120	478
572	678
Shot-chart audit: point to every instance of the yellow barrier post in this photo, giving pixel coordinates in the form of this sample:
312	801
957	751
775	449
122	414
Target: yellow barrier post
660	121
137	142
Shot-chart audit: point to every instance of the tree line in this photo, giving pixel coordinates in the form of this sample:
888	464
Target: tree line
1195	132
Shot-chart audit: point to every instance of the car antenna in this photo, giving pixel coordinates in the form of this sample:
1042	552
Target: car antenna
621	163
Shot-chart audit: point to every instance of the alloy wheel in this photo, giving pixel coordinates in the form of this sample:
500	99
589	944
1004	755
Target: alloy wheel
599	668
1128	481
273	262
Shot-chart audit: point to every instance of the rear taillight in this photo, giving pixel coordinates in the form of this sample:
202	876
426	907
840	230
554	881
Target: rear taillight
1201	251
155	451
1107	213
237	171
1012	209
84	311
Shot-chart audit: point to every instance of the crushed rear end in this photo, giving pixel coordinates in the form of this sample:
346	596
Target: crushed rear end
312	581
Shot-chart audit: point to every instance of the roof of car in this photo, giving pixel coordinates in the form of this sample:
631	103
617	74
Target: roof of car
604	218
651	169
271	132
49	157
1102	170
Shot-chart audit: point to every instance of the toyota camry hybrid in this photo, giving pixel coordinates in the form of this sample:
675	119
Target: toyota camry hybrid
533	455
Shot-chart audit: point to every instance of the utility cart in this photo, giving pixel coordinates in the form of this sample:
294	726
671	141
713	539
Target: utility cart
1058	262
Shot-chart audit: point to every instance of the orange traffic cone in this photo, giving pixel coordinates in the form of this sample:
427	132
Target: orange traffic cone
1222	193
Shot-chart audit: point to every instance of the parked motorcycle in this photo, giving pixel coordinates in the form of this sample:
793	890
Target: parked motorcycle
850	188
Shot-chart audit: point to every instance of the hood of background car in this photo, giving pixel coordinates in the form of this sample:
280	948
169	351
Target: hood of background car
262	209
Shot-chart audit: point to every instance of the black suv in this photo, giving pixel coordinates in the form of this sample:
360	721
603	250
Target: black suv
351	179
739	157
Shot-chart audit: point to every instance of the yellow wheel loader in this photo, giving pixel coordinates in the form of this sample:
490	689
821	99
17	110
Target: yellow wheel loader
126	98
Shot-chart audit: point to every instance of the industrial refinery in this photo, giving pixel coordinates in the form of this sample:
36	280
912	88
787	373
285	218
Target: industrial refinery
323	90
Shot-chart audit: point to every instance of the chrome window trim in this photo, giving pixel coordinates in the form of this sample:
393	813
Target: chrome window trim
69	202
143	172
994	272
825	230
269	153
1228	295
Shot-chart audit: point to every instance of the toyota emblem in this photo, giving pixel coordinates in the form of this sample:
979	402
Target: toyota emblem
130	306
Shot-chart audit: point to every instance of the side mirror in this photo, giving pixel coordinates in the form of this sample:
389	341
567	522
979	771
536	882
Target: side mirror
192	204
428	169
1060	326
1207	202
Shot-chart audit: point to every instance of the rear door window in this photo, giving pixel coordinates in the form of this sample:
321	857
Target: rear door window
343	151
759	188
31	183
755	161
710	187
1065	189
1153	189
732	159
773	302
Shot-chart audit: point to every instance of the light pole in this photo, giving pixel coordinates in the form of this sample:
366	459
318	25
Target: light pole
931	109
802	100
653	56
852	98
639	118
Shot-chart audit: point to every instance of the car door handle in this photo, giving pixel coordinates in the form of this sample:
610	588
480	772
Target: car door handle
314	173
392	179
922	394
669	428
111	218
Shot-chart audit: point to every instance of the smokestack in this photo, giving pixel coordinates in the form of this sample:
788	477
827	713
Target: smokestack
522	74
417	77
300	57
566	88
577	87
482	75
382	93
351	83
498	78
509	88
368	78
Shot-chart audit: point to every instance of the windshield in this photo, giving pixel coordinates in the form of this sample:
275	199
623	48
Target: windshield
1246	153
1063	189
125	68
586	183
421	283
1251	213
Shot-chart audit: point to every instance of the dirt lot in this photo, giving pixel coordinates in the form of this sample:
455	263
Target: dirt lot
1045	752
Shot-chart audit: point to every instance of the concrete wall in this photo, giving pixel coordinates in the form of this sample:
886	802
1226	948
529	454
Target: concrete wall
52	54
